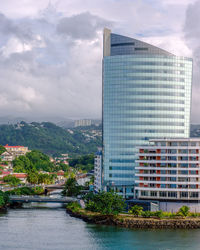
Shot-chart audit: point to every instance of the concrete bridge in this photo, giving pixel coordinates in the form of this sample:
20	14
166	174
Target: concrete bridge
42	199
55	186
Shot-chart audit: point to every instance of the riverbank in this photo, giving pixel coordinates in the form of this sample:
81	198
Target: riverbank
3	208
14	205
128	221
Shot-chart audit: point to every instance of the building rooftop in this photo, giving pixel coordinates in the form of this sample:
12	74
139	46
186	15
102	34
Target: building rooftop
20	175
7	146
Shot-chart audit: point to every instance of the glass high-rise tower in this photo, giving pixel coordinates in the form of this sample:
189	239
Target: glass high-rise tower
146	95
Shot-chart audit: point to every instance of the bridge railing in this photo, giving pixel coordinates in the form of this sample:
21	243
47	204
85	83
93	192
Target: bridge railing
40	198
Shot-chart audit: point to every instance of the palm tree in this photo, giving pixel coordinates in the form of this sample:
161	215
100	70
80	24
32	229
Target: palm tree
71	187
184	211
136	210
32	178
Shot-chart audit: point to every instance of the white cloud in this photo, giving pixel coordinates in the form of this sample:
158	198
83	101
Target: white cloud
175	44
192	37
50	68
14	45
50	55
178	2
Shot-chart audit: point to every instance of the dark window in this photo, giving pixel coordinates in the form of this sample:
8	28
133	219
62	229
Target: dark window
122	44
141	49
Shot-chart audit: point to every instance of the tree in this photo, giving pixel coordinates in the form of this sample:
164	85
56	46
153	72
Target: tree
71	188
46	178
2	149
32	177
108	203
4	198
70	174
85	163
136	210
52	177
62	166
11	180
33	161
184	211
26	191
91	182
2	202
22	164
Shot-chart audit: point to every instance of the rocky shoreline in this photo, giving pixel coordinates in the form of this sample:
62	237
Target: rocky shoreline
136	223
3	208
10	205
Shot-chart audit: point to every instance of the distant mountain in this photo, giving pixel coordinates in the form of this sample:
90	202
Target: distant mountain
12	120
59	121
52	139
55	140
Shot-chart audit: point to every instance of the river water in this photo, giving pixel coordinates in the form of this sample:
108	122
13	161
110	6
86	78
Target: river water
48	226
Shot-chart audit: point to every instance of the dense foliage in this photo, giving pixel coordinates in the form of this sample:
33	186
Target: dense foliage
34	177
34	161
85	163
136	210
108	203
4	199
11	180
74	206
71	188
26	191
2	149
51	139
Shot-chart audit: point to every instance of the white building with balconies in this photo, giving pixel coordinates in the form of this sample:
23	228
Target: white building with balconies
169	170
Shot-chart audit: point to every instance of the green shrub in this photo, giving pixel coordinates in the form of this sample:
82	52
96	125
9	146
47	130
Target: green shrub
184	211
167	214
26	191
4	199
21	191
194	215
2	202
146	214
74	206
159	214
91	206
38	190
136	210
172	215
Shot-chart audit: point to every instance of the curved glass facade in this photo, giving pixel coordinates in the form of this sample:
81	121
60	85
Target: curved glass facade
146	94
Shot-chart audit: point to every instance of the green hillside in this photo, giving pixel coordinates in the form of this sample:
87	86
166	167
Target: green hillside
52	139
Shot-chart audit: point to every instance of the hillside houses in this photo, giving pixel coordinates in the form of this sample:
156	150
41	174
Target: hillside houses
12	152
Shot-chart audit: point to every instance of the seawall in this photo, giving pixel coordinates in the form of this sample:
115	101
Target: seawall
140	223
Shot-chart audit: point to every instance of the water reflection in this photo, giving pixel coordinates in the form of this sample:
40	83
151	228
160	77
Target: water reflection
48	226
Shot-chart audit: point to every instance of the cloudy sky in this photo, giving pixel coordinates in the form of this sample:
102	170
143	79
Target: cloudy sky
50	62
